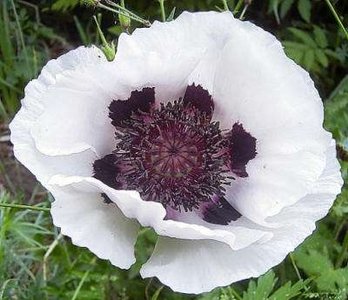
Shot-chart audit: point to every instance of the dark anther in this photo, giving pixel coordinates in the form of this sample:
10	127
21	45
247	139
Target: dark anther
106	198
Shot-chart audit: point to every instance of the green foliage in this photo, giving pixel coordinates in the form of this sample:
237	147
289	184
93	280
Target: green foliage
336	120
309	49
262	289
265	289
316	258
336	111
304	8
319	265
64	5
281	8
23	50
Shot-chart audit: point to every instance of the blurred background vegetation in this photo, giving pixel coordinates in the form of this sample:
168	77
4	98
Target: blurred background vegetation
36	262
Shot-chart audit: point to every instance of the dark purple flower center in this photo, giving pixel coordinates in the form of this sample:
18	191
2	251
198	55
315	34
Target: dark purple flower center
174	154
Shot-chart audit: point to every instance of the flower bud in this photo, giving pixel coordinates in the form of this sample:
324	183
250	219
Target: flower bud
124	19
109	50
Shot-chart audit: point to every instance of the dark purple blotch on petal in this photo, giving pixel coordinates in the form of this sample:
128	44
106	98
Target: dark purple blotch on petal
107	171
199	98
106	198
139	101
219	212
242	148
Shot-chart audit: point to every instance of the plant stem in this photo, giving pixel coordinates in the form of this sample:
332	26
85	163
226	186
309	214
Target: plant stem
163	12
343	253
124	12
47	254
224	2
243	12
122	8
127	13
339	22
234	293
101	34
238	6
83	279
21	36
21	206
295	267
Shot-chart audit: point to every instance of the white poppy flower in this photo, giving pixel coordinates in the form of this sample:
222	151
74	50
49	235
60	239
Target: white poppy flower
202	129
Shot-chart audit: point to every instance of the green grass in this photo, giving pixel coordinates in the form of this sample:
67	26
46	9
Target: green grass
36	262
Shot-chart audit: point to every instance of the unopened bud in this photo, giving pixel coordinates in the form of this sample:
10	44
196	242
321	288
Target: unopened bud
124	19
109	49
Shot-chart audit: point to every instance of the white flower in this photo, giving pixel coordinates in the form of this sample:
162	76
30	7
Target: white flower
202	129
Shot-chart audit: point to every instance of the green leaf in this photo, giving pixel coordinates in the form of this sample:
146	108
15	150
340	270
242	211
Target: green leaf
320	37
332	280
304	8
294	54
262	289
333	54
265	285
340	207
288	291
336	112
64	5
321	57
295	45
309	59
313	262
285	7
341	88
303	36
274	4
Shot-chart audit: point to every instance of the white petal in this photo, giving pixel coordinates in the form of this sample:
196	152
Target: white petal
273	183
82	98
253	83
276	102
245	232
75	117
62	92
65	111
208	264
152	214
42	166
102	228
169	51
29	134
161	64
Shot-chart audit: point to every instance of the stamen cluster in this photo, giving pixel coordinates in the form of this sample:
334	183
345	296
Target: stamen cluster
173	155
